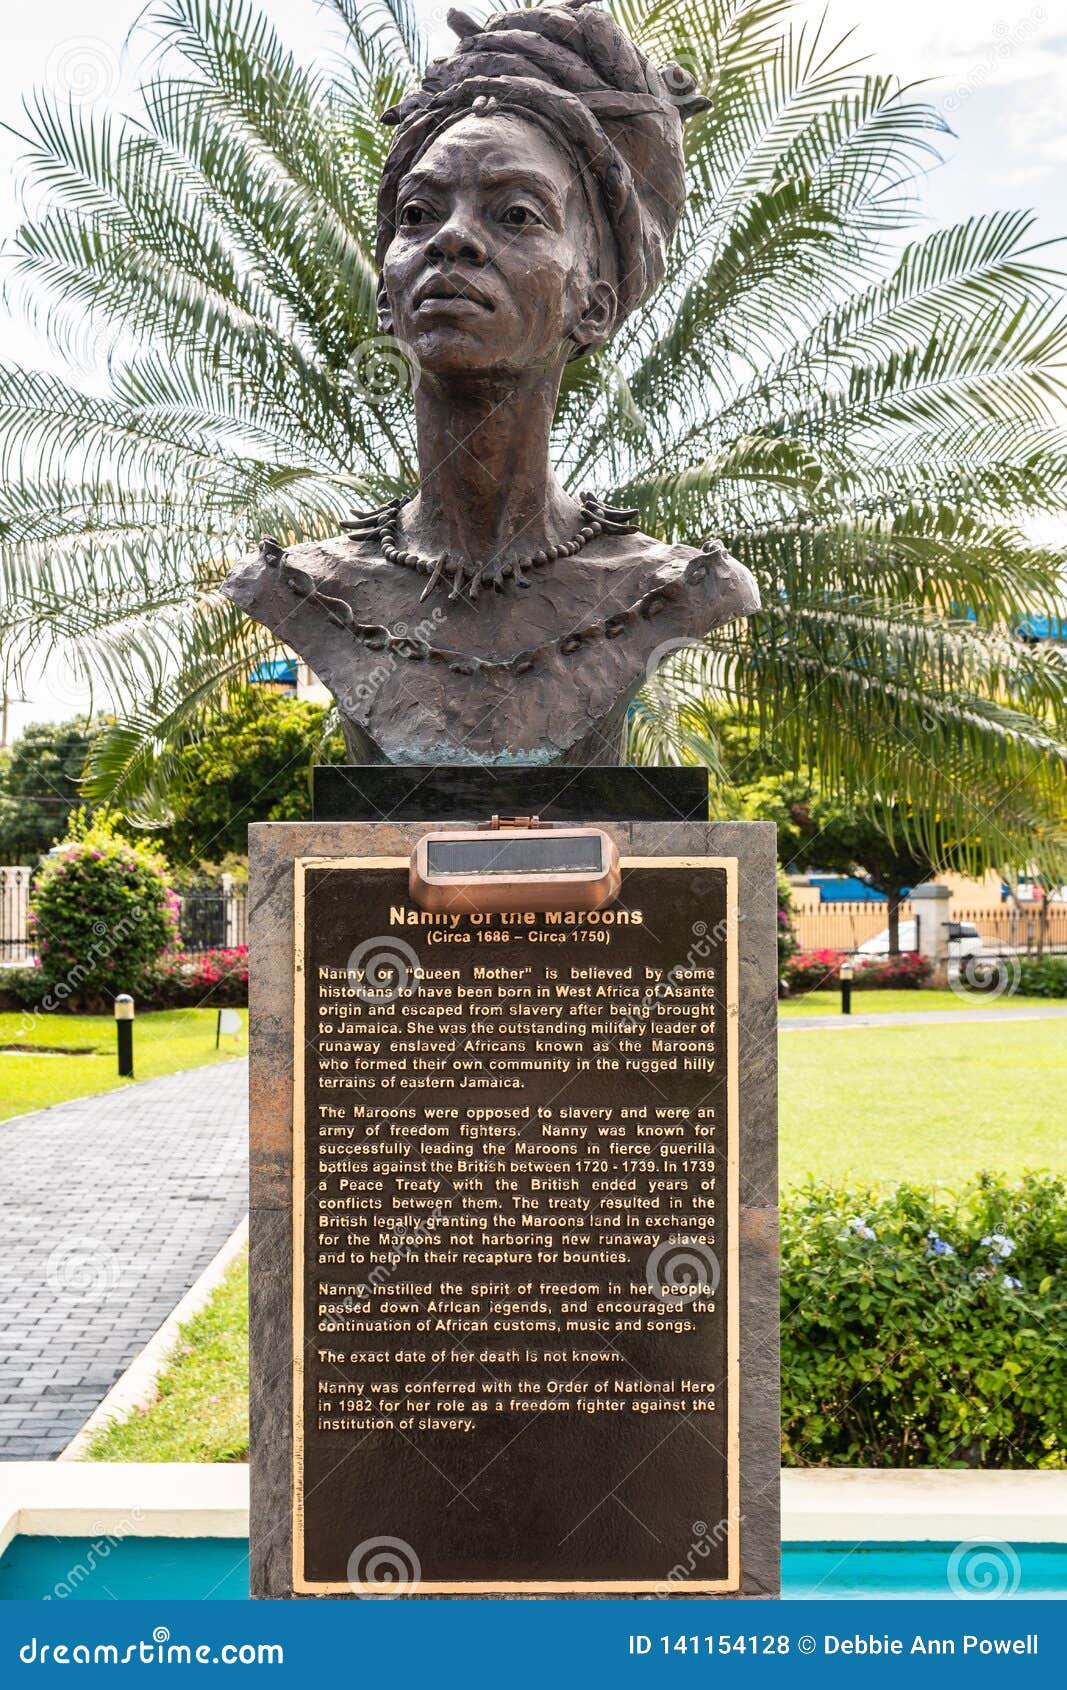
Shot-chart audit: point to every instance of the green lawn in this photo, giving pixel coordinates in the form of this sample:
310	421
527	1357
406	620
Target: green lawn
200	1411
163	1043
902	1003
922	1103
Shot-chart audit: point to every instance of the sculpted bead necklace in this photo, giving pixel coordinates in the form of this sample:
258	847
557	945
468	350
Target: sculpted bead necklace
383	525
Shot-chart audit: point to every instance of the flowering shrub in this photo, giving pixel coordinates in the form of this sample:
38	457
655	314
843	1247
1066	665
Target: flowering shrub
101	917
921	1327
215	979
218	977
787	939
808	971
812	971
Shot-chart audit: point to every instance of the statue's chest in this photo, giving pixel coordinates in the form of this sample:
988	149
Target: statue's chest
526	675
498	627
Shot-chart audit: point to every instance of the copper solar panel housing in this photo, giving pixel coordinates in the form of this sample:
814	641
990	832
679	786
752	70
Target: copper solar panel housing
506	868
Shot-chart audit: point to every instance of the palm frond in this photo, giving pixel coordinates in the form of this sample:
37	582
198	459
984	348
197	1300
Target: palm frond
871	426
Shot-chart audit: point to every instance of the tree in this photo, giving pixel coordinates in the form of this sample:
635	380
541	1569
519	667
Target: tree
252	766
815	831
40	787
842	839
869	425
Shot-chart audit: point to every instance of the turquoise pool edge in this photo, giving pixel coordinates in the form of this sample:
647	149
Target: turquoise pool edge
214	1569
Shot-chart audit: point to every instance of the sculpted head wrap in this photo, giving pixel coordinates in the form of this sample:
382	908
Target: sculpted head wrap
571	70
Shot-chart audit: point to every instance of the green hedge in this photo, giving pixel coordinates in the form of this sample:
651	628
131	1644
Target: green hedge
1044	979
925	1328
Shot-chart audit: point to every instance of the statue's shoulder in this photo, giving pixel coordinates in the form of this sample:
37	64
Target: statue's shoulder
621	579
656	564
276	572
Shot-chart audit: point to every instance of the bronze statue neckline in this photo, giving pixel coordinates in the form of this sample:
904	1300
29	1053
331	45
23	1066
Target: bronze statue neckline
383	526
412	648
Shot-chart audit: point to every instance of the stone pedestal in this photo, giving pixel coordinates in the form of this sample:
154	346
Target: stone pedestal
397	1470
932	905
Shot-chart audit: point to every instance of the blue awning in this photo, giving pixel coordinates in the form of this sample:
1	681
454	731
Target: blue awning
845	889
278	672
1043	628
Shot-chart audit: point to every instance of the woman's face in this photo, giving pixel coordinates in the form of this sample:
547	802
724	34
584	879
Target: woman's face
492	264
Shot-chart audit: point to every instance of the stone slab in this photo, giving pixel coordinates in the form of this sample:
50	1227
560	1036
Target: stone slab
472	792
274	849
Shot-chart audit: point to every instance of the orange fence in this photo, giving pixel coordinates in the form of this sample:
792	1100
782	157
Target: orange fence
1029	929
842	927
847	926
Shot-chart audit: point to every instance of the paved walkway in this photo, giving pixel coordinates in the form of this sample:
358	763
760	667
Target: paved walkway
110	1208
917	1018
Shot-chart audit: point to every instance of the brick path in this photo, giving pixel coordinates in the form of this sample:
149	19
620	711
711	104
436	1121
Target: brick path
110	1207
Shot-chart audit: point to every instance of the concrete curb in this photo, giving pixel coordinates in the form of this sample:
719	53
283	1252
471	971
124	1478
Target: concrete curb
923	1505
104	1499
136	1387
819	1505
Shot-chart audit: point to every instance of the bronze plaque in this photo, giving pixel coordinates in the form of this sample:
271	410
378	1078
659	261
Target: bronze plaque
515	1239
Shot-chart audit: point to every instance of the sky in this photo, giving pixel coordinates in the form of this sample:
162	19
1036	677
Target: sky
996	68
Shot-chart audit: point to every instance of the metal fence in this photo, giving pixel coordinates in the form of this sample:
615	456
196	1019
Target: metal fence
1030	930
217	919
210	920
15	949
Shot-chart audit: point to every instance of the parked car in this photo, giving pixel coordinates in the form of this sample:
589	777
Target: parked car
964	939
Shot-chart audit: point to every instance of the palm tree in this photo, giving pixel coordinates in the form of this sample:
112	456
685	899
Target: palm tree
870	423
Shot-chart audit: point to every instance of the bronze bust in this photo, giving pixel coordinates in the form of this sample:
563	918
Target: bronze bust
525	209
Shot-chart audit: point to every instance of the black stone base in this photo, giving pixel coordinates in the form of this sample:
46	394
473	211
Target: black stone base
376	792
